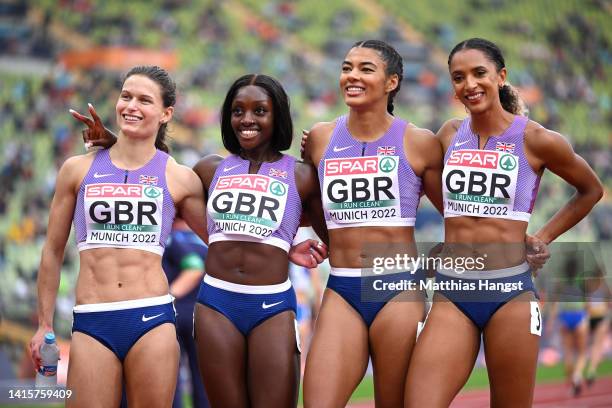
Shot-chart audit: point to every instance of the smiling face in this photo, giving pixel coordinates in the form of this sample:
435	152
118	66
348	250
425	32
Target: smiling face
252	117
363	80
476	80
140	110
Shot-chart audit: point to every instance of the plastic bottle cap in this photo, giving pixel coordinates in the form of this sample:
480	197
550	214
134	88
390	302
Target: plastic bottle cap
49	338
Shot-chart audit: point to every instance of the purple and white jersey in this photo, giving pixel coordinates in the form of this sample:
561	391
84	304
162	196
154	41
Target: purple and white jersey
119	208
264	207
496	181
368	184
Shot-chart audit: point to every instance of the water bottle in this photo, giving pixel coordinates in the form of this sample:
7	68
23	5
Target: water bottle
49	354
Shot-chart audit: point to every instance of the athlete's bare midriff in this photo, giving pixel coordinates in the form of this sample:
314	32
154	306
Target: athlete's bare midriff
247	263
355	247
502	241
117	274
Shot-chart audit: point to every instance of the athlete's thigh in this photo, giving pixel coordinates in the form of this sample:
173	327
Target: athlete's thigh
338	355
443	357
511	343
582	336
274	362
392	338
222	355
151	368
94	374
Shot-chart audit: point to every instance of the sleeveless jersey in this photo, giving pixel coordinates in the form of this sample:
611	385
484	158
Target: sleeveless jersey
119	208
264	207
368	184
496	181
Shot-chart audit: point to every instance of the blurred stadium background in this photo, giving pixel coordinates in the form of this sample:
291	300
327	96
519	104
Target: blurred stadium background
61	54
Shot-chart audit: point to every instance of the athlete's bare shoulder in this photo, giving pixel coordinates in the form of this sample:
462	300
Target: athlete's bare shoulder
75	168
422	149
417	135
318	139
322	129
447	131
182	181
538	137
205	168
545	145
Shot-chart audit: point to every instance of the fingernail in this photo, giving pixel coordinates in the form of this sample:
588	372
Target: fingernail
90	105
70	110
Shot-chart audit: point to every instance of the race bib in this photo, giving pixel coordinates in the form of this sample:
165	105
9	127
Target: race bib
123	214
362	189
248	204
480	183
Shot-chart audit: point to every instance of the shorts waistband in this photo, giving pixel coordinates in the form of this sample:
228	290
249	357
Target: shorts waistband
487	274
252	289
360	272
124	304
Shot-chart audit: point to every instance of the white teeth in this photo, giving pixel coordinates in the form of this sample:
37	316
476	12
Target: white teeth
354	89
249	133
475	96
131	117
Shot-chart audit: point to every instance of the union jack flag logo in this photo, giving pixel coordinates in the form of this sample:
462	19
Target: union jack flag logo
151	180
277	173
385	151
504	147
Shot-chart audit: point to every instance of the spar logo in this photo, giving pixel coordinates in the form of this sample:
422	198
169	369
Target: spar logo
507	162
278	189
483	159
152	192
252	182
114	190
474	158
346	167
387	164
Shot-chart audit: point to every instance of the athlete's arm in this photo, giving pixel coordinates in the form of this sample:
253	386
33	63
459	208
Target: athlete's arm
187	192
317	140
58	230
446	133
424	154
307	184
555	153
192	272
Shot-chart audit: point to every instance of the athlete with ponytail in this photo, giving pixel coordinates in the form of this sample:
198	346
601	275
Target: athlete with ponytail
493	163
372	168
122	202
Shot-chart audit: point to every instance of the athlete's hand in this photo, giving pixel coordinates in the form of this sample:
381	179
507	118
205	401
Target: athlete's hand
95	134
308	253
305	134
537	252
36	342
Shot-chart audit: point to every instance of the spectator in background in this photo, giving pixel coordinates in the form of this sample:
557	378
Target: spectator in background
598	306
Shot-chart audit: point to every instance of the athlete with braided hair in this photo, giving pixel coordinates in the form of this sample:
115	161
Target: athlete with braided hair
372	168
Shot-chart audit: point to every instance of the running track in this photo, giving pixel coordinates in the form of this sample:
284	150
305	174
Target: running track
546	396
